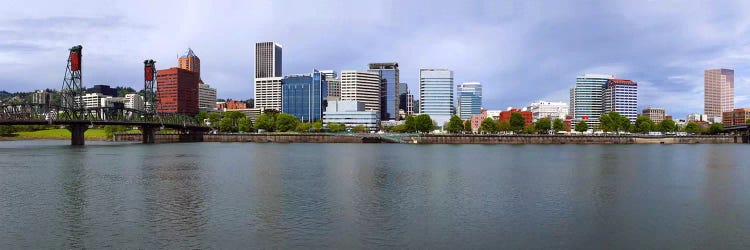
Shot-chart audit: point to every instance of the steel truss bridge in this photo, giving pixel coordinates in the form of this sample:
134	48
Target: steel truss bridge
77	118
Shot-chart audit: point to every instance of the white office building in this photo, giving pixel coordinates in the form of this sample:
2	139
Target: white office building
361	86
267	93
93	100
134	101
436	94
351	114
552	110
206	97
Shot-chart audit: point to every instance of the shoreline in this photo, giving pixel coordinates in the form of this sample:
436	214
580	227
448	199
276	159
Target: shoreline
444	139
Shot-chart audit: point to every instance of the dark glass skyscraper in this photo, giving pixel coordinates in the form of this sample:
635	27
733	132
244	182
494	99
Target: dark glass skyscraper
304	96
389	89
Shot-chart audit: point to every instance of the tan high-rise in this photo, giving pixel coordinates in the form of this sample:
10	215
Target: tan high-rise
719	91
190	61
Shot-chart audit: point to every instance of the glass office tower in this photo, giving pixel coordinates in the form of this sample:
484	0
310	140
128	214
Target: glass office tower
389	89
436	94
304	96
469	99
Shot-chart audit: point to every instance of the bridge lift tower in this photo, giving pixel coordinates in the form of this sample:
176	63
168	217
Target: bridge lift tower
149	96
71	96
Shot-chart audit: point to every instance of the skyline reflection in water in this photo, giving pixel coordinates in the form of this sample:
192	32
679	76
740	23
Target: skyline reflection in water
228	195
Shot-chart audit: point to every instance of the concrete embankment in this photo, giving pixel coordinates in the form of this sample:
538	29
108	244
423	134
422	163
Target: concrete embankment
442	139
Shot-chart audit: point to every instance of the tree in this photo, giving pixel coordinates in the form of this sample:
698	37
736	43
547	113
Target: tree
504	126
317	126
110	130
202	116
214	118
693	128
581	126
286	122
303	127
667	126
715	128
517	122
244	124
227	125
467	126
489	126
543	125
360	129
410	124
614	122
558	125
528	129
643	124
424	123
747	121
6	130
265	122
454	125
336	127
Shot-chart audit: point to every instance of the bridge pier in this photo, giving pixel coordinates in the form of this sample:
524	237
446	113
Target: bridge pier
191	136
77	132
148	134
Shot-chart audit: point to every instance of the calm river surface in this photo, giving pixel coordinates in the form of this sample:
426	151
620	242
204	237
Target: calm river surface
350	196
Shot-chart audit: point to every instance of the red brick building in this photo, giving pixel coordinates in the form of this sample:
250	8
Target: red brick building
527	116
230	105
177	91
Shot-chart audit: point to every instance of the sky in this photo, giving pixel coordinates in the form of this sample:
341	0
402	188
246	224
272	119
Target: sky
521	51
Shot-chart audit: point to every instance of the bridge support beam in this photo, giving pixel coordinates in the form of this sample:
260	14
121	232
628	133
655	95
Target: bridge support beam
77	132
149	133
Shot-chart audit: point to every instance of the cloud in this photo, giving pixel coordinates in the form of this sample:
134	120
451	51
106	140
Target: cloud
521	51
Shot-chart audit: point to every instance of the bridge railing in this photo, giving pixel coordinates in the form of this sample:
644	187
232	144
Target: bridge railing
38	112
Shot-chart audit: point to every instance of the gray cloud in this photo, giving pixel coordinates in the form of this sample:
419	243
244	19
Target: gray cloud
521	50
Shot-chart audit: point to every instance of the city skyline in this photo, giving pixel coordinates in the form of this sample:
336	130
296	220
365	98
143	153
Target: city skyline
670	74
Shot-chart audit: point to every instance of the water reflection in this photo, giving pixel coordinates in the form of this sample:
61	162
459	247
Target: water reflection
352	196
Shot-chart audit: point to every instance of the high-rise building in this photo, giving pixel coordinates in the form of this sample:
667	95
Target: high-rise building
469	99
389	89
41	97
656	115
267	93
177	91
206	97
334	84
361	86
267	60
586	98
134	101
719	91
436	94
552	110
405	100
189	61
304	96
621	96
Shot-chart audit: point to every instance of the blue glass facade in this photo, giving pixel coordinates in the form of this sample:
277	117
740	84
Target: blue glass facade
469	99
389	89
304	96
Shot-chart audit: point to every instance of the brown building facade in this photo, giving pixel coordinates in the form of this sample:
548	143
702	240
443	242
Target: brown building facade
735	117
231	105
177	91
189	61
527	116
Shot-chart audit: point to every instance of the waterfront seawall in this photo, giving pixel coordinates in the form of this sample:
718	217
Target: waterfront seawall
444	139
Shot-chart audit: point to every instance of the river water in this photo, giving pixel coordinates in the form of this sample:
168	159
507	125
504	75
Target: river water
351	196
